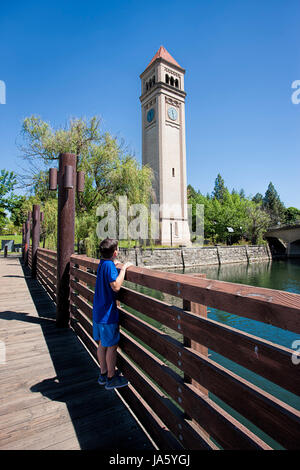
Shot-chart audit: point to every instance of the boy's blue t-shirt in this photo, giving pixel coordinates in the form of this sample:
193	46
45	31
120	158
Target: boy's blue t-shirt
104	305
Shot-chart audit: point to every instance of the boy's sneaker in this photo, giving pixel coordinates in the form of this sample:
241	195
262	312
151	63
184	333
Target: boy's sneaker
116	382
102	379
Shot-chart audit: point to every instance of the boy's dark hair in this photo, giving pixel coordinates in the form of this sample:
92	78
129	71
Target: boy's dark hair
107	247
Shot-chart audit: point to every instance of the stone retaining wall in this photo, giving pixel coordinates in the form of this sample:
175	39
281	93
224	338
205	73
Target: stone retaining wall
198	256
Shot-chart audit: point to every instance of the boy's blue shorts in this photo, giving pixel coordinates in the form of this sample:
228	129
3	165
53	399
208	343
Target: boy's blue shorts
107	333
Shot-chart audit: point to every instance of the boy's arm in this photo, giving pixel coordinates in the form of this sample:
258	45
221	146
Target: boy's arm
116	285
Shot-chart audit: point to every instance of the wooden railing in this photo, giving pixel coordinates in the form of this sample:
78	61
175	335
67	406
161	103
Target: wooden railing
171	378
46	270
171	408
30	257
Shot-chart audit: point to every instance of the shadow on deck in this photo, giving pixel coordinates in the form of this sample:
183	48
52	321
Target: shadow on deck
99	417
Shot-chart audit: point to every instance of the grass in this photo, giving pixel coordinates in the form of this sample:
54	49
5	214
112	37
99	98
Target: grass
15	238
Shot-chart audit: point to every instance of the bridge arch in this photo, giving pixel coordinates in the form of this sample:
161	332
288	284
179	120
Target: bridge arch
294	249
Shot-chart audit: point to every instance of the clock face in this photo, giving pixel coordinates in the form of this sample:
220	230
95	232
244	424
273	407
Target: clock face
172	113
150	115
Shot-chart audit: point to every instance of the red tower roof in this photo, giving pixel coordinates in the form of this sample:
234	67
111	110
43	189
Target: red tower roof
162	53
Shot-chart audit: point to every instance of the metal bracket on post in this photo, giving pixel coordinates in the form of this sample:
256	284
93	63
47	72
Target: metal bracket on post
53	179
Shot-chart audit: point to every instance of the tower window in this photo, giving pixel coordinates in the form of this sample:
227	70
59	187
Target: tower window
167	79
172	81
176	83
173	171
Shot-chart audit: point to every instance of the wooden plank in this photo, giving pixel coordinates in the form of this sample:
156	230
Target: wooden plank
217	422
222	427
51	275
149	420
48	259
48	266
279	420
49	392
173	418
200	311
49	252
82	260
272	361
82	290
82	305
274	307
45	284
89	278
46	280
84	321
158	402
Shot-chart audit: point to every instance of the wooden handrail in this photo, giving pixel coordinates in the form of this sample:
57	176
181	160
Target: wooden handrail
160	396
275	307
47	251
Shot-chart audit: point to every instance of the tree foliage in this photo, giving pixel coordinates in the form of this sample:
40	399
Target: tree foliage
7	197
224	210
273	205
110	171
219	188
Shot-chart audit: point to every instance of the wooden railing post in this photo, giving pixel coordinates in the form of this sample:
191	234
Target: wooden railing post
68	181
65	234
36	228
200	310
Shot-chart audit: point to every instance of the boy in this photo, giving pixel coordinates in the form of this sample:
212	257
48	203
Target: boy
106	315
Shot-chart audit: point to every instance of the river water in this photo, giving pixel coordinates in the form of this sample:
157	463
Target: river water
282	275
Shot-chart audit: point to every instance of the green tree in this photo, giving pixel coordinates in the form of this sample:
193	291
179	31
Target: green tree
258	198
258	222
17	214
242	194
191	192
219	188
273	205
7	184
292	215
109	169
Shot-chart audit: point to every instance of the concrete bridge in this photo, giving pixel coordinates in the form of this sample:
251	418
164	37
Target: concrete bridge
284	240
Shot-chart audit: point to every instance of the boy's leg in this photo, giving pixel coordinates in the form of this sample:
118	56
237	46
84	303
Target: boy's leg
101	354
111	359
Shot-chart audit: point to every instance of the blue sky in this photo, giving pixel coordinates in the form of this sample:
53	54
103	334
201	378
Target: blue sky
61	59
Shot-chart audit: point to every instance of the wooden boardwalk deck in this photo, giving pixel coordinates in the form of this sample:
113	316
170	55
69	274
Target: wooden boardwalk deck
49	396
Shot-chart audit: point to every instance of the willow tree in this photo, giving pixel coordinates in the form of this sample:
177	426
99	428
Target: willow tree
110	170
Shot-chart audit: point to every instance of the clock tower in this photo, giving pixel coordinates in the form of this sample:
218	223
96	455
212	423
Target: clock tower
163	143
